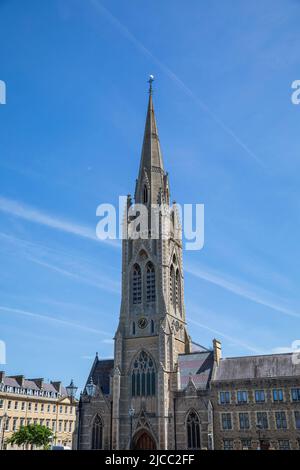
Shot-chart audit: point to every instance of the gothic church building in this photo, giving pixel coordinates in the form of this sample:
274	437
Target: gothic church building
158	391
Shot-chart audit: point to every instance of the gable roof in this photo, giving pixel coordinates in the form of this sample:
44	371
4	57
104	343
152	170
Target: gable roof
198	366
100	373
252	367
33	384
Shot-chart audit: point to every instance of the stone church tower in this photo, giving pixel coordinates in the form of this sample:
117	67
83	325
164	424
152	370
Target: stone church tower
161	390
144	397
152	328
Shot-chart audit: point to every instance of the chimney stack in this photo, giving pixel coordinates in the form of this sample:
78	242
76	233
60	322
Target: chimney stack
217	351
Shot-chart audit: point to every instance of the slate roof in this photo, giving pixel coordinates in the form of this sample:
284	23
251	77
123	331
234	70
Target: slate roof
198	348
252	367
100	373
197	365
32	385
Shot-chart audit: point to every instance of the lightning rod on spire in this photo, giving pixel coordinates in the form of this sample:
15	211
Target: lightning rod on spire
150	81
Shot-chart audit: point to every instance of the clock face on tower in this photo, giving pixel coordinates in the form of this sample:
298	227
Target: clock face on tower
143	322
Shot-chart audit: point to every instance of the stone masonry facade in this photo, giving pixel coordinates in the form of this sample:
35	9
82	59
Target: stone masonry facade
161	390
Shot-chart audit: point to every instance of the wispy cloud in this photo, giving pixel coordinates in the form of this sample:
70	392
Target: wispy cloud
62	262
233	340
52	319
241	289
282	350
31	214
99	283
173	76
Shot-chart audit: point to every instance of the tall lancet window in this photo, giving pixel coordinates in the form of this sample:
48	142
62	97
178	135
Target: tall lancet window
143	376
193	431
97	433
172	285
136	284
145	195
177	289
150	282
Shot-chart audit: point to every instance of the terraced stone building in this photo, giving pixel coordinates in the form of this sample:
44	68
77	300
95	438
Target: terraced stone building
26	401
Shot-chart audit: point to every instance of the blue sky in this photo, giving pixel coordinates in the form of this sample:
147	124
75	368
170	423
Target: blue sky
70	139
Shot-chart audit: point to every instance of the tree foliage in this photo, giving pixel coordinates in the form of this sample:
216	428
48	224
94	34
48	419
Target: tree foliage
31	435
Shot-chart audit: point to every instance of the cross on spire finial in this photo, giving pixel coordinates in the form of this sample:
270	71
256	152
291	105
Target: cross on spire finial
150	81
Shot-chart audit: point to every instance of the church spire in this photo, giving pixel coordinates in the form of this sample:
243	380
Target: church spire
151	173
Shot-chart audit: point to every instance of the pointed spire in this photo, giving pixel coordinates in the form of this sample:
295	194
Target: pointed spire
151	171
151	153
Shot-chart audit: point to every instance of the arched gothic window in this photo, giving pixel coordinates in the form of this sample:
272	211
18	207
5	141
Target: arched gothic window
136	285
172	285
143	376
173	218
193	431
152	326
177	289
150	282
133	328
145	195
97	433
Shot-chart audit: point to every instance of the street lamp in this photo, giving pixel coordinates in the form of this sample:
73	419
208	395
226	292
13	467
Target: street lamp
131	414
71	391
91	391
91	388
4	418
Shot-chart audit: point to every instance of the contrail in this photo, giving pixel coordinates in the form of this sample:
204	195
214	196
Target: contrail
32	214
140	46
254	349
240	289
49	318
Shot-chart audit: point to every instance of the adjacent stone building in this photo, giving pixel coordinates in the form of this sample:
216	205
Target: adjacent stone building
33	401
256	402
161	390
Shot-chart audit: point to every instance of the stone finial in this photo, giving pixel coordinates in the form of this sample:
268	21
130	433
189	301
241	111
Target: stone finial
150	81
